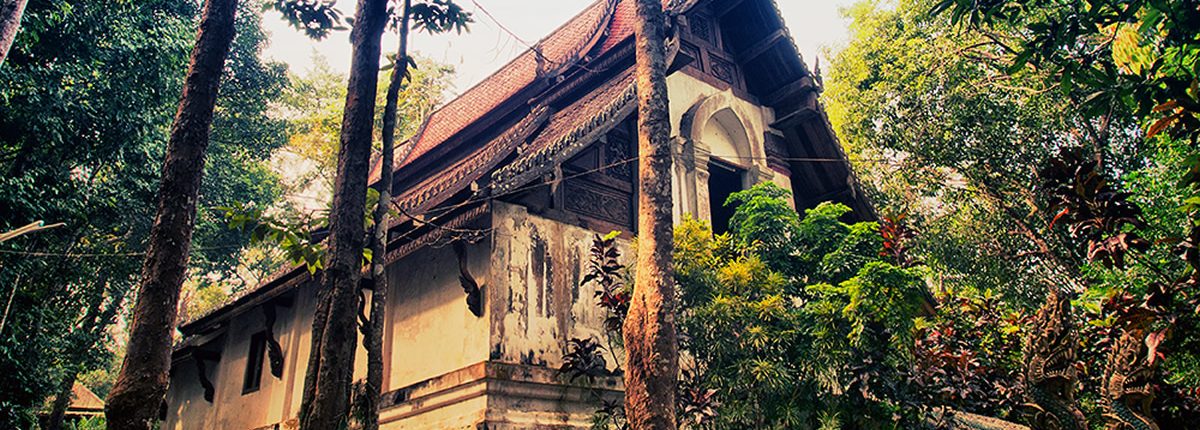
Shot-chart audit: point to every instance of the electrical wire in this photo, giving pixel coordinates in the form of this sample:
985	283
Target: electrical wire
535	48
443	212
101	254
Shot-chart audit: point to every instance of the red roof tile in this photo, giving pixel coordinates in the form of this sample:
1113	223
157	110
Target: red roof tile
563	47
557	50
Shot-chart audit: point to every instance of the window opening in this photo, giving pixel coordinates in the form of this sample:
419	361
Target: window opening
254	363
723	181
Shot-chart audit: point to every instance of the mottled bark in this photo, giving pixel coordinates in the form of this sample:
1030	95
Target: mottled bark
142	382
10	24
651	350
328	396
373	338
320	319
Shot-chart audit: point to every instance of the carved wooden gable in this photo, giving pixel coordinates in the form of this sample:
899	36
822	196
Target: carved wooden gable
599	181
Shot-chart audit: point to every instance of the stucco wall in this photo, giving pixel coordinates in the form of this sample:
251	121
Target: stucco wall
276	400
535	300
710	123
430	328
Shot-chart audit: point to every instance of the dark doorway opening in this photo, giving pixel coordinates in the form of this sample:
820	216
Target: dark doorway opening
723	181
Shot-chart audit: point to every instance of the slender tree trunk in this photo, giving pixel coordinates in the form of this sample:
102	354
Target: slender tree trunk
320	319
142	382
652	355
83	342
379	292
8	303
10	24
62	400
334	349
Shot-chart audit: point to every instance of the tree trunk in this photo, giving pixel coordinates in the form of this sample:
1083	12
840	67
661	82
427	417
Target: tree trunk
373	340
142	382
320	319
334	349
10	24
62	401
652	355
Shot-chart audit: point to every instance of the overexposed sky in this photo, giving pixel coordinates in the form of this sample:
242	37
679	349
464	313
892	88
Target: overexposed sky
813	23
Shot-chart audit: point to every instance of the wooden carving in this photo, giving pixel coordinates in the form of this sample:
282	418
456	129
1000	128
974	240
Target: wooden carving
274	351
470	286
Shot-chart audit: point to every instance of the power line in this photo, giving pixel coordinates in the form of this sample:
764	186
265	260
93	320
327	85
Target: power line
446	211
101	254
535	48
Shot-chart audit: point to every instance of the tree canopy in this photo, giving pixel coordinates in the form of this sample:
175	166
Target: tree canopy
87	96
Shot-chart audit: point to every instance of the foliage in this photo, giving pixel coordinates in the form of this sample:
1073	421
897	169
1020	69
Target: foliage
295	236
440	16
313	106
1081	197
833	342
1039	144
86	97
1142	57
89	423
584	359
317	18
949	142
605	269
968	356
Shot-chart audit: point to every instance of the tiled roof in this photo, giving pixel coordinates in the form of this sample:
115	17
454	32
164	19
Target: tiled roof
562	48
568	131
594	32
83	402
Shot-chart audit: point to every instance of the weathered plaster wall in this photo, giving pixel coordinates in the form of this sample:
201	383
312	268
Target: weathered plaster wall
185	398
430	329
276	400
535	302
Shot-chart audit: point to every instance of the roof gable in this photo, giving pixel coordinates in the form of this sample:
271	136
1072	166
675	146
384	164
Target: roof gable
463	141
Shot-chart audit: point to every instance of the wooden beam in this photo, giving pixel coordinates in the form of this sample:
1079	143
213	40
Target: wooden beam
795	87
725	7
762	46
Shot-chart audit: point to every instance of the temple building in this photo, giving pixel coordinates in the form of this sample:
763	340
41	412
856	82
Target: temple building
502	191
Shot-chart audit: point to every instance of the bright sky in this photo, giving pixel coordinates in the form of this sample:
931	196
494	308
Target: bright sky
813	23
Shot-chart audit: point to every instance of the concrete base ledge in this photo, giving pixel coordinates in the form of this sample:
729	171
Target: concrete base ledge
495	395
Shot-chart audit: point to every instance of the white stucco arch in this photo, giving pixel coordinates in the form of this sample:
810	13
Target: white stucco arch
719	127
727	139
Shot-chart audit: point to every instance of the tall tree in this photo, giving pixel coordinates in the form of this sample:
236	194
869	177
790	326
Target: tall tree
142	382
103	187
435	17
373	329
10	23
327	385
651	347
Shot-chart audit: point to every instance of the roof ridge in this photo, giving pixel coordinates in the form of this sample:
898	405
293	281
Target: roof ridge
497	88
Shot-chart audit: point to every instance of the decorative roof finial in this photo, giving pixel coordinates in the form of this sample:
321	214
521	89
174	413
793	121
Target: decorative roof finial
817	73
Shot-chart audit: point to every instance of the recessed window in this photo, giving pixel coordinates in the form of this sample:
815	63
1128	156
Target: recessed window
723	181
254	363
